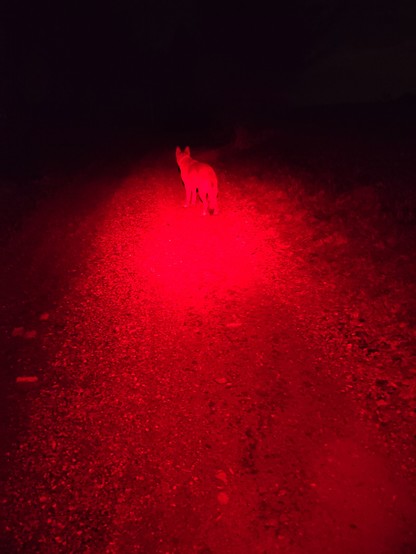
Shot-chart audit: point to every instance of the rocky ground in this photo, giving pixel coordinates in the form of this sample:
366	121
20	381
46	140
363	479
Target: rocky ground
236	384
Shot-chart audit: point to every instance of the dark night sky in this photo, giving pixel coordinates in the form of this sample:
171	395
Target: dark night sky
152	58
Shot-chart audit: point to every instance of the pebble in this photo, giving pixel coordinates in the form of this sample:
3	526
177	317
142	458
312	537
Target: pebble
223	498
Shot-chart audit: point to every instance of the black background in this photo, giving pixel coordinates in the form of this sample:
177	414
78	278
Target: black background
162	65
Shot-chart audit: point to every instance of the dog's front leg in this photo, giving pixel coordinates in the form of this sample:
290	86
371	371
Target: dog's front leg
205	203
188	194
193	197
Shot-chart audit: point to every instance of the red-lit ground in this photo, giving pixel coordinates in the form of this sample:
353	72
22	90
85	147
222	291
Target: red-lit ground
236	384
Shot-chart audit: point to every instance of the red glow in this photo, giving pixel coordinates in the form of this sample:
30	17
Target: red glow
191	260
195	260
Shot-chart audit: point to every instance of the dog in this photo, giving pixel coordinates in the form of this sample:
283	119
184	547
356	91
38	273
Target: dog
198	177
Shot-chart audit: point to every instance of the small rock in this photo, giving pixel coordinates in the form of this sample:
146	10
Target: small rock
18	332
234	324
382	402
222	476
31	334
27	379
271	523
223	498
221	380
44	316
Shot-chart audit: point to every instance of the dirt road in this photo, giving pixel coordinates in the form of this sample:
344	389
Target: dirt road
198	390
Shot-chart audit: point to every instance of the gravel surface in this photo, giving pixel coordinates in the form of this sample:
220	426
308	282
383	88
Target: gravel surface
236	384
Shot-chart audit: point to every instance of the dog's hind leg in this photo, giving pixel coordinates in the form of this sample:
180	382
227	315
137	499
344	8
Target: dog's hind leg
204	199
213	204
188	196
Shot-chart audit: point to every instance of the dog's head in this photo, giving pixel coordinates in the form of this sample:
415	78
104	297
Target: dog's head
181	155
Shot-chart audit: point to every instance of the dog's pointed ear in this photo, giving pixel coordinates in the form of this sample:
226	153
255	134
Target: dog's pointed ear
187	151
178	150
